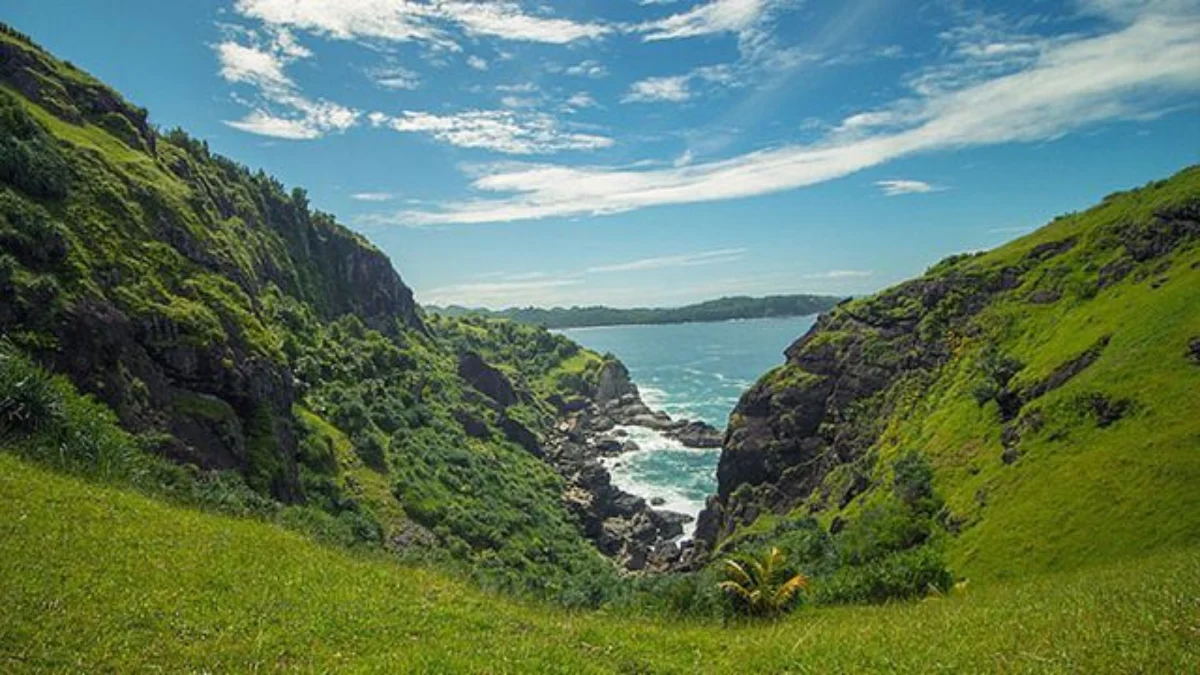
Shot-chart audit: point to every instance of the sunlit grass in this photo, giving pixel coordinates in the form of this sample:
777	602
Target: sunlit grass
96	579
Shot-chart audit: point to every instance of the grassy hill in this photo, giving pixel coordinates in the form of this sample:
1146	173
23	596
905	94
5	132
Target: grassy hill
98	579
258	356
1029	409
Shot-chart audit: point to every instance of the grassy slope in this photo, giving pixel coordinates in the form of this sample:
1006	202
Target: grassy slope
93	578
1081	493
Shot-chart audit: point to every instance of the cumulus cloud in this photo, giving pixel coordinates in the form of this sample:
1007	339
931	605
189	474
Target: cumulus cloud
504	131
1133	71
893	188
477	62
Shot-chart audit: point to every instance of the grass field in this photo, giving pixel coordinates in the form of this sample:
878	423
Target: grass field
95	579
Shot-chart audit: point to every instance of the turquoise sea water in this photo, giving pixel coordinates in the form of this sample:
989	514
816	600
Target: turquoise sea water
692	371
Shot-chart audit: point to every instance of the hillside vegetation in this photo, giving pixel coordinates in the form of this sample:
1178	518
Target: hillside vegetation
231	441
1025	410
721	309
261	357
96	579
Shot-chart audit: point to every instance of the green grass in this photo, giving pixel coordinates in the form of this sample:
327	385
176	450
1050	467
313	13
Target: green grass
96	579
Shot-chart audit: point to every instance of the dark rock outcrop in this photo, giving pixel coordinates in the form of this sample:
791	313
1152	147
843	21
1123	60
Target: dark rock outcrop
487	379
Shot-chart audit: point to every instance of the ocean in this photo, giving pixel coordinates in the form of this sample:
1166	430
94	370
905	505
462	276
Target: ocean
692	371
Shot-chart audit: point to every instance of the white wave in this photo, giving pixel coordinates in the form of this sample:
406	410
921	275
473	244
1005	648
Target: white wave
675	497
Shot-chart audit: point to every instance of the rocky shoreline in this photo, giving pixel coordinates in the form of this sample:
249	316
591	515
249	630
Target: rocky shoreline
623	526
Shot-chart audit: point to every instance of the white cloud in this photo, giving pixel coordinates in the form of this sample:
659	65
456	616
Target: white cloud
373	196
682	260
893	188
263	69
265	124
840	274
592	69
250	65
580	100
677	88
518	101
1131	72
672	89
395	77
498	130
718	16
506	20
477	62
403	21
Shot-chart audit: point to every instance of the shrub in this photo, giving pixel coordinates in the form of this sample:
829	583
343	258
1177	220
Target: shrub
762	587
904	574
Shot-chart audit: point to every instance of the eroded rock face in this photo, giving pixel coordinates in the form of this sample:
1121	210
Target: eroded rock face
489	380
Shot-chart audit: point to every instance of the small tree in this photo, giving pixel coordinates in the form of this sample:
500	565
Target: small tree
762	587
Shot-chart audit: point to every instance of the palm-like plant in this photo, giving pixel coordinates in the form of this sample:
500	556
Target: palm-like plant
759	586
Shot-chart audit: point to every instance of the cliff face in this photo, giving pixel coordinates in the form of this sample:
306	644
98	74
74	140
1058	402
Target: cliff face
167	254
1068	347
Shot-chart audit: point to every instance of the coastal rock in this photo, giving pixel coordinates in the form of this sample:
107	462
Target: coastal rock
613	382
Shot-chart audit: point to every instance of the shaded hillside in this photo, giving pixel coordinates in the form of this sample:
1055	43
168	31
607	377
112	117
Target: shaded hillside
721	309
259	357
1027	409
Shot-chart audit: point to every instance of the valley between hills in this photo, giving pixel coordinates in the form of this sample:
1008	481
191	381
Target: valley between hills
232	440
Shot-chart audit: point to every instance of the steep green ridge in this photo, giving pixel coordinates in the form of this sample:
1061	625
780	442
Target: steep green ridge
94	578
721	309
271	353
1029	409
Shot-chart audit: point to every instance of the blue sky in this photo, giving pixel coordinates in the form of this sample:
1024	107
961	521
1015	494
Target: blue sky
657	152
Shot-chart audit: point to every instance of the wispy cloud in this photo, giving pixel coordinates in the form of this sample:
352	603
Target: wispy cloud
578	101
477	62
667	261
395	77
1130	72
893	188
373	196
403	21
717	16
677	88
507	131
281	111
840	274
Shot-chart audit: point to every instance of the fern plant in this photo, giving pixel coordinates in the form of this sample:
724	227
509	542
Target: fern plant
762	587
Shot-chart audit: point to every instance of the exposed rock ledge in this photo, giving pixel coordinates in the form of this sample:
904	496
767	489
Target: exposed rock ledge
622	525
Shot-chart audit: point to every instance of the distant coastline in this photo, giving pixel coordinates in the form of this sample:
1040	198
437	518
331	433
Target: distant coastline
721	309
